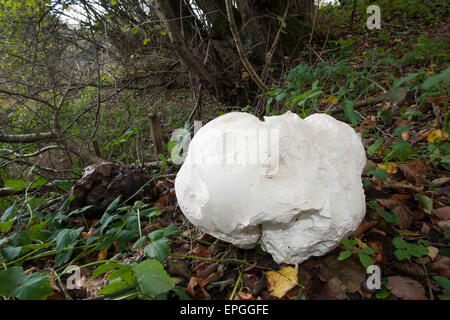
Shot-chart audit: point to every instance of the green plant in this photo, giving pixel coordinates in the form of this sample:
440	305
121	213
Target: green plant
357	247
407	250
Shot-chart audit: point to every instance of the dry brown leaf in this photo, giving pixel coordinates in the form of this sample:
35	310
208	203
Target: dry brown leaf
200	251
403	213
364	227
442	213
405	288
349	272
442	266
243	296
388	203
337	288
432	252
281	281
401	197
102	255
403	185
196	288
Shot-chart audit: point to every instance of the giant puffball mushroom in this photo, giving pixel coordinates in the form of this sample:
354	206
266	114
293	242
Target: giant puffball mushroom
292	184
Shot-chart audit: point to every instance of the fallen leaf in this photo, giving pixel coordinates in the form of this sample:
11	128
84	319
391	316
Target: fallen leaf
337	288
200	251
432	252
364	227
439	182
437	135
243	296
442	266
401	197
403	213
388	203
349	272
390	167
405	288
102	254
280	282
442	213
179	267
196	288
403	185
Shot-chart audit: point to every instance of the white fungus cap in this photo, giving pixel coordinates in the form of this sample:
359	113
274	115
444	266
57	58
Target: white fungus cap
292	184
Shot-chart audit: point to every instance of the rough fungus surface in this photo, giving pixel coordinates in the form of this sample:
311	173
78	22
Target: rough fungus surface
292	184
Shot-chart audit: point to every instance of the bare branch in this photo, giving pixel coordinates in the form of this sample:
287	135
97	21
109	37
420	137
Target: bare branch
237	39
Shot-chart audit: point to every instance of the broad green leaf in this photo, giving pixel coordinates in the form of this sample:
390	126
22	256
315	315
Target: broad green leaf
152	278
444	282
389	217
383	293
426	202
400	150
64	185
8	213
155	235
10	253
6	226
105	268
378	173
181	293
365	260
9	279
112	205
34	286
139	243
17	185
349	243
374	147
158	249
417	251
350	113
402	254
113	287
367	250
399	243
344	255
66	239
172	230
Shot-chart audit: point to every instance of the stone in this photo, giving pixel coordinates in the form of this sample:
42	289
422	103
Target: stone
292	184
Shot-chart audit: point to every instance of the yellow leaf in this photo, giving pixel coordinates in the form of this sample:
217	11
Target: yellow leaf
102	254
280	282
390	167
436	135
361	244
